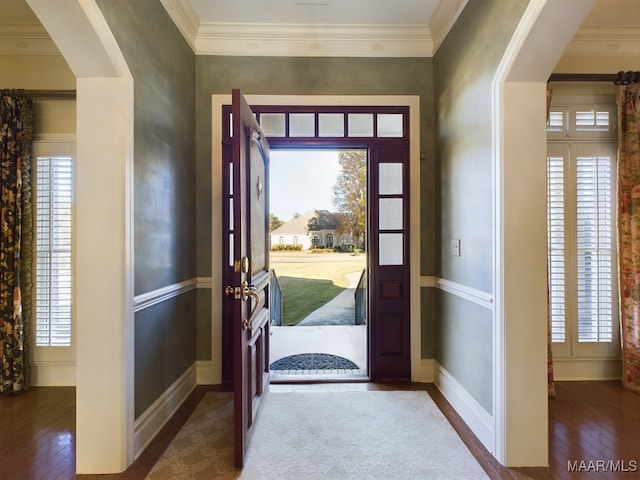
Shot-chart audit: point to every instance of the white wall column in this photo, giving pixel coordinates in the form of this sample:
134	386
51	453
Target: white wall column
520	253
103	266
104	361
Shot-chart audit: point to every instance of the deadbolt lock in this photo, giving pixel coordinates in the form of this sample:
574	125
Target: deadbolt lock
235	291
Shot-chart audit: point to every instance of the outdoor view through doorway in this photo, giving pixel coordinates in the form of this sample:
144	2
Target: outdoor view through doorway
318	260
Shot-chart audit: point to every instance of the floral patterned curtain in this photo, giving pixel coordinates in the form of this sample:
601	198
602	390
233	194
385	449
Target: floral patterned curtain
628	99
15	240
551	387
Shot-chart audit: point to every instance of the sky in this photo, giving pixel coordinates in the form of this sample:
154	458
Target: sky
302	180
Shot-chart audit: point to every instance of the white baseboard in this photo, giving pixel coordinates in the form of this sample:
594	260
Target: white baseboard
425	372
476	417
53	374
158	414
204	375
586	369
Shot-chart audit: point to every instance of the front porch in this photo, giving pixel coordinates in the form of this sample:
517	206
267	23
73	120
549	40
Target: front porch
346	341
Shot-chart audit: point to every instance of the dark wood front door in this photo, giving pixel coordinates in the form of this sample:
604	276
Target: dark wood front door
247	294
385	136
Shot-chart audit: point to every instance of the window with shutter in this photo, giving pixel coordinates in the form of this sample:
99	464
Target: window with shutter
581	153
594	249
54	191
556	241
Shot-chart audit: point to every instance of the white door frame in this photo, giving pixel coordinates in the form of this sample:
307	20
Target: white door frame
411	101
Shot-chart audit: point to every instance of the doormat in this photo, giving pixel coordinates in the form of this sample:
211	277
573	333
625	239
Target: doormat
313	361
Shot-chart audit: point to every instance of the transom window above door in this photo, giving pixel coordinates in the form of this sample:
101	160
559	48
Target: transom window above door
352	124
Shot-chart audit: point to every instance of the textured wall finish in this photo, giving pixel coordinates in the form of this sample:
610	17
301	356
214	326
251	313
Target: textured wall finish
464	67
163	68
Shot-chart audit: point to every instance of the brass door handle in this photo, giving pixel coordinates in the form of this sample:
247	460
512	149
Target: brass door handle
249	291
243	292
246	324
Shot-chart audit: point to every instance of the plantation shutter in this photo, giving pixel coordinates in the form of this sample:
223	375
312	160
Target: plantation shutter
53	250
556	246
594	249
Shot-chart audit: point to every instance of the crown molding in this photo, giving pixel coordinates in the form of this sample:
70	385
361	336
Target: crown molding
27	39
443	19
616	41
185	18
307	40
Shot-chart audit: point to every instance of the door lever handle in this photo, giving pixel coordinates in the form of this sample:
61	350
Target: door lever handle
243	292
250	291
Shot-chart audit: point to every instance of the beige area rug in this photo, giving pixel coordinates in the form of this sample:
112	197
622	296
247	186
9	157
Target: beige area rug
325	436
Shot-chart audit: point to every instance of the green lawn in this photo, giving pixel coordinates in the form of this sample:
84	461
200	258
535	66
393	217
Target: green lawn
307	285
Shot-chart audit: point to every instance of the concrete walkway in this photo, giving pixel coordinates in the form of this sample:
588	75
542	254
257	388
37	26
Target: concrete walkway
341	310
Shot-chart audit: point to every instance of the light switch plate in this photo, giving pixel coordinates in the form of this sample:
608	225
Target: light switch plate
455	247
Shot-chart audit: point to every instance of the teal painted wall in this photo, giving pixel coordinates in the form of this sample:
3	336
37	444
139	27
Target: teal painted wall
163	69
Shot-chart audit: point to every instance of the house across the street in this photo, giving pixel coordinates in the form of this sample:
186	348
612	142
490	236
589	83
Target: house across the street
296	232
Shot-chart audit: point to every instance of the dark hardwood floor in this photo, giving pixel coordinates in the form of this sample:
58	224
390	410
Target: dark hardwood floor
595	422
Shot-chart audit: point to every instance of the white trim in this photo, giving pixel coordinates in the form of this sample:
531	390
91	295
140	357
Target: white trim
185	18
205	375
27	39
304	40
204	282
474	415
586	369
499	344
519	338
413	102
479	297
313	40
471	294
55	366
415	321
426	372
53	374
151	421
146	300
606	41
429	281
443	19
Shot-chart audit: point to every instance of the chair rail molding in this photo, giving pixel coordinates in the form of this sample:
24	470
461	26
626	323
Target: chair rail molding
479	297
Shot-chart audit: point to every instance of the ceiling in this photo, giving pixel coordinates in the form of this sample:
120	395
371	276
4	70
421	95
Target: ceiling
411	28
408	28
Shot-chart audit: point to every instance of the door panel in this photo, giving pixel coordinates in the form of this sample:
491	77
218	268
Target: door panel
390	346
248	271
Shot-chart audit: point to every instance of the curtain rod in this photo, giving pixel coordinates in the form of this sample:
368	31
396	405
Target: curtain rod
54	94
620	78
583	77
